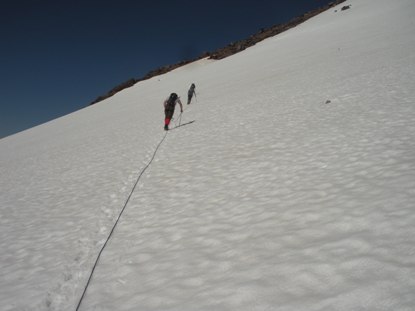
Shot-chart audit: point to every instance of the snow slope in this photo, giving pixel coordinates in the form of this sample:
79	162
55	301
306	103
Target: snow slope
294	189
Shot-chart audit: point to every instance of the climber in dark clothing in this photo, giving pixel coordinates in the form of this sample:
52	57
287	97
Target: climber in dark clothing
169	105
190	93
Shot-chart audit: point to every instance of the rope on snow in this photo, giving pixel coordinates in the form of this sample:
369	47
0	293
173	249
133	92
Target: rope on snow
116	222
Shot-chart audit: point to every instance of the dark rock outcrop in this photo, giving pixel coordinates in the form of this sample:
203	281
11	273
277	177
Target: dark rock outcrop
228	50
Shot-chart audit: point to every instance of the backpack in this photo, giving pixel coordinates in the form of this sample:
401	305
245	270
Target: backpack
172	99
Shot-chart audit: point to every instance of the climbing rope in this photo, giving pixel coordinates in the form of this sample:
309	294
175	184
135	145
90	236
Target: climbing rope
116	222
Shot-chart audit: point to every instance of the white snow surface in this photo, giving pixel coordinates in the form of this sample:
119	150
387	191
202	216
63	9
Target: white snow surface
294	189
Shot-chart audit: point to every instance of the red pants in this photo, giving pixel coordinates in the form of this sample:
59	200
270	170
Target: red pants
169	115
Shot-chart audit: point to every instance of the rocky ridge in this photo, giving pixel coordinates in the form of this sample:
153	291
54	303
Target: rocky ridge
230	49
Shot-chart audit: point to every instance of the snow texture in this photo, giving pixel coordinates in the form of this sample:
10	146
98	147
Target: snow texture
294	189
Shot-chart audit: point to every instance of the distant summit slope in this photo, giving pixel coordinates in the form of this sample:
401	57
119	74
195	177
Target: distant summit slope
230	49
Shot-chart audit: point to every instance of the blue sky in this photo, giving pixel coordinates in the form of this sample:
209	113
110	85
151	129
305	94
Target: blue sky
58	56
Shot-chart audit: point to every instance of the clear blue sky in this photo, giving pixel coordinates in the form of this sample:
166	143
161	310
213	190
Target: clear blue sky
58	56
